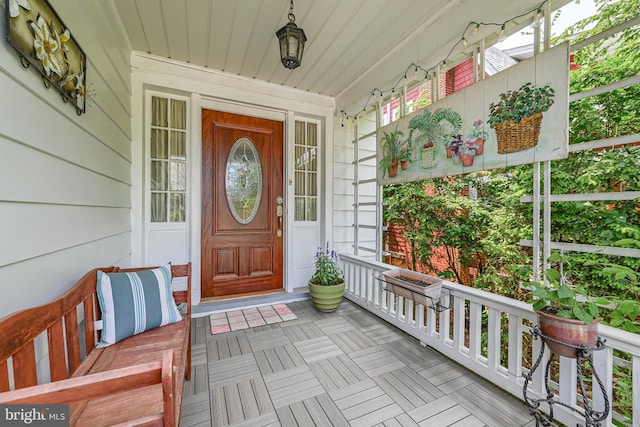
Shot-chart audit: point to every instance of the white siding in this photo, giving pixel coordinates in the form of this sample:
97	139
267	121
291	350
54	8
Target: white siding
66	179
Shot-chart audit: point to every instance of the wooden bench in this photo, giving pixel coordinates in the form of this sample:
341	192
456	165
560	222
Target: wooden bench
137	381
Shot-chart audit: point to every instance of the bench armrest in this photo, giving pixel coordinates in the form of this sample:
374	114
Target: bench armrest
92	386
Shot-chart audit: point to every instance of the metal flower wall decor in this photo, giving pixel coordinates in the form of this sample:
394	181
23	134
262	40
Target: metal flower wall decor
44	42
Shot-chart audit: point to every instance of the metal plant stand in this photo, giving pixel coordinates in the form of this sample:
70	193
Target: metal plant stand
591	416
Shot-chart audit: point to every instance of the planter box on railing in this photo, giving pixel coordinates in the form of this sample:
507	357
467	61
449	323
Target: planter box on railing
414	286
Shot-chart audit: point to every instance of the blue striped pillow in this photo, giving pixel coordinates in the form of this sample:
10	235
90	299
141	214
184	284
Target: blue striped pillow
132	303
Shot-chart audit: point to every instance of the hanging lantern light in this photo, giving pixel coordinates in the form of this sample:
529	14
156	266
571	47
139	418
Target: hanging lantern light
291	40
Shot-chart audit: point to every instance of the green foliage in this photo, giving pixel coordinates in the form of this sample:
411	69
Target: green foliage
327	272
610	59
434	128
407	206
563	301
391	149
623	393
515	105
482	232
561	297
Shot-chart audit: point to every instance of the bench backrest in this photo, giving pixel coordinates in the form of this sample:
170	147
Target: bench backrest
65	335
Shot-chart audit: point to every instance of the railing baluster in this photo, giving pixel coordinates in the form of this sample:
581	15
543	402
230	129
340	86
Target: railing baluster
567	392
538	376
459	323
475	330
411	314
636	390
515	347
603	365
493	338
432	330
445	325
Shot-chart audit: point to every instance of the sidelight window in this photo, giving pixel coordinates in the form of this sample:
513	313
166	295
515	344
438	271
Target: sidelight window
168	152
306	171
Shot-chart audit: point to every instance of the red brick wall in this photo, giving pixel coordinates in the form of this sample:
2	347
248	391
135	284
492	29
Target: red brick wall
463	75
400	256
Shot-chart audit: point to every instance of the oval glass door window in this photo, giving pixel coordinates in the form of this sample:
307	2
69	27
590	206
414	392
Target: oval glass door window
243	181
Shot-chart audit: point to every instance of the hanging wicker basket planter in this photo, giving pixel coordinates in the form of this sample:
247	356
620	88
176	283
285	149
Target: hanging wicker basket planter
428	157
517	116
513	137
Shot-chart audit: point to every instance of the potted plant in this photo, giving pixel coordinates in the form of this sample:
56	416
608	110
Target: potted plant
454	145
566	313
434	128
467	152
390	152
479	136
326	286
518	115
404	156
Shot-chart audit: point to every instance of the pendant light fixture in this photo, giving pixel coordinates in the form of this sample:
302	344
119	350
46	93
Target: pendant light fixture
291	40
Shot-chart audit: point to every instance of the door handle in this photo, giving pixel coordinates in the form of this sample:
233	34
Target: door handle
279	214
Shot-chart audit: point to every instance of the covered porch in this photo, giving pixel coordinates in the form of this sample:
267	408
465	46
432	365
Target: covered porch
101	189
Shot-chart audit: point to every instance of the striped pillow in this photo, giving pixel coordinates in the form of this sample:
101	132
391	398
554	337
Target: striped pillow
132	303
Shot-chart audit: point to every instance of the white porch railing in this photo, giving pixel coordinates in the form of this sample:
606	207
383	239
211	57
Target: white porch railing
459	337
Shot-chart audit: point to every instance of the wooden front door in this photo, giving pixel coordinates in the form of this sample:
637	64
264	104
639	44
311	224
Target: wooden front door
242	204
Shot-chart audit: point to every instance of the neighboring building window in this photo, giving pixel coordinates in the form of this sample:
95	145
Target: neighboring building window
306	171
168	160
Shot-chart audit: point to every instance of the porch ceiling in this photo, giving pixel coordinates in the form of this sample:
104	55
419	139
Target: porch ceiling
353	46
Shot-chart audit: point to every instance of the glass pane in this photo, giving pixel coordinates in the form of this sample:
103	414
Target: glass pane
177	212
312	134
178	176
158	207
178	145
299	153
178	114
158	175
158	111
299	208
299	187
158	144
311	209
300	133
312	186
313	160
244	181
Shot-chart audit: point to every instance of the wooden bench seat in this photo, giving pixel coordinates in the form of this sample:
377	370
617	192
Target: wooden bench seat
137	381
